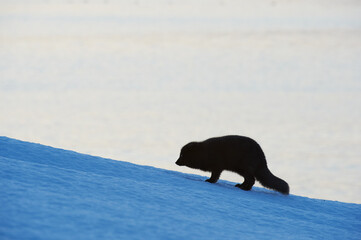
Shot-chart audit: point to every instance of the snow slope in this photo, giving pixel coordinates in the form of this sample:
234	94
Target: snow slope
49	193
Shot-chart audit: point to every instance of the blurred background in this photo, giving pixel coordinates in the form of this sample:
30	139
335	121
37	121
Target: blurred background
136	80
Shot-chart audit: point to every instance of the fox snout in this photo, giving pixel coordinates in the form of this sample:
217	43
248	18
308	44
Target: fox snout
179	162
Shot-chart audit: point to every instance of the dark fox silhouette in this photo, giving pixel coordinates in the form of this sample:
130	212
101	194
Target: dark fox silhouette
238	154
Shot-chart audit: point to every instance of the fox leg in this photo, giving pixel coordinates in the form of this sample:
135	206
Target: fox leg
248	183
214	177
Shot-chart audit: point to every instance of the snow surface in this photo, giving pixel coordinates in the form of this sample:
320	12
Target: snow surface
49	193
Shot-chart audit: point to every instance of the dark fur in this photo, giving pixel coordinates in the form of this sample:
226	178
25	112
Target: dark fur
238	154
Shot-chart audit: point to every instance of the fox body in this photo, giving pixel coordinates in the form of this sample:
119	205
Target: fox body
238	154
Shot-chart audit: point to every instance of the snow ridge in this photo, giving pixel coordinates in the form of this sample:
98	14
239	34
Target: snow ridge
49	193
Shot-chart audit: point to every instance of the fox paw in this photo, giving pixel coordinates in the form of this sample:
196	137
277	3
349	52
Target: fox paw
243	187
211	180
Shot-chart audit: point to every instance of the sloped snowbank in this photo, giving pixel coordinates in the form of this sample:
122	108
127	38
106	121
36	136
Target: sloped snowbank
49	193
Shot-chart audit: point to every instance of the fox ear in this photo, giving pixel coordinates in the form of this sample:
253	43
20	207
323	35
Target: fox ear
189	147
193	145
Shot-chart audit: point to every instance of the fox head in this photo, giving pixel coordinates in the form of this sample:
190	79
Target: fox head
191	155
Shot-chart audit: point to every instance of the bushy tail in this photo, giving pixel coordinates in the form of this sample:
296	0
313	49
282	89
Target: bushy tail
268	180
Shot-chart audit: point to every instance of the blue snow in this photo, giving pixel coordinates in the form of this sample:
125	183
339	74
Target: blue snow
49	193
